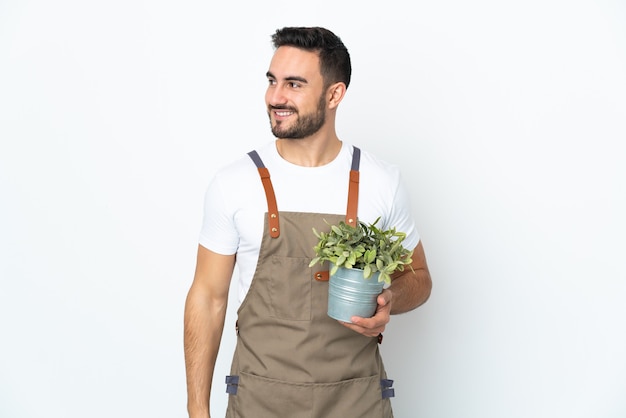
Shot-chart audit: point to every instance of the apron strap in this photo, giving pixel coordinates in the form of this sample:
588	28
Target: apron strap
272	207
353	189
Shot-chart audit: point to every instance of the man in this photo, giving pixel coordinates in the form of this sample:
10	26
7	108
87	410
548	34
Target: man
291	359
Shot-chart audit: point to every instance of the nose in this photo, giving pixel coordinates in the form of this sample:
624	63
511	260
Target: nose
274	96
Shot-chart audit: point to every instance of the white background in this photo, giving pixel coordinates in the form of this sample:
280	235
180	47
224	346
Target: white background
507	118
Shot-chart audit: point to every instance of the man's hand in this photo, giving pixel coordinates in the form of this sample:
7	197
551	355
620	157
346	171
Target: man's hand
372	327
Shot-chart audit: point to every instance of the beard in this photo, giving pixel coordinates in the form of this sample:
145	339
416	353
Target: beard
305	125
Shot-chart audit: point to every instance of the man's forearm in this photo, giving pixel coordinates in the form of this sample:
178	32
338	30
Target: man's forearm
410	290
204	324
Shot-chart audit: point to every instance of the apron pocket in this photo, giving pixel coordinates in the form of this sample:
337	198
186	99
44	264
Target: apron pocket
360	397
290	288
263	397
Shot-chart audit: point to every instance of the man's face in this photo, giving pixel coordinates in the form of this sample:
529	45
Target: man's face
295	99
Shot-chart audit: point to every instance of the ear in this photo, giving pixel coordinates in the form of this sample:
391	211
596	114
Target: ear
335	94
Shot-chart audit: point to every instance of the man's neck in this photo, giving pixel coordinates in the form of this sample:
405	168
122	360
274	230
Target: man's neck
309	152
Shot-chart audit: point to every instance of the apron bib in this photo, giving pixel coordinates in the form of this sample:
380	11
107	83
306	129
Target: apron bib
291	359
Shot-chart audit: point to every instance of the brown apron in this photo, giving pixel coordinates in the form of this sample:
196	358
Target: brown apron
292	360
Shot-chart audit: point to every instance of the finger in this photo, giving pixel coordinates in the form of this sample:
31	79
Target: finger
362	330
384	298
370	326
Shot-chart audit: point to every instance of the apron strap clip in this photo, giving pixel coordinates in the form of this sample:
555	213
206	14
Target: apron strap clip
386	388
232	384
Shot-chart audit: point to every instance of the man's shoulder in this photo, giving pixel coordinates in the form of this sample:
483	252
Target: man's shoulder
243	164
372	163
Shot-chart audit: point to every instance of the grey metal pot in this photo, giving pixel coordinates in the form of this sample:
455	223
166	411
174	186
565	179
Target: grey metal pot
350	294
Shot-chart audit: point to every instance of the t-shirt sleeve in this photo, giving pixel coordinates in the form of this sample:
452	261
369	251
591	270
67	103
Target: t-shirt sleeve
402	215
218	232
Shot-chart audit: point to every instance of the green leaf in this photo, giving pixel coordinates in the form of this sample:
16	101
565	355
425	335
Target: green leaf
367	271
364	246
337	230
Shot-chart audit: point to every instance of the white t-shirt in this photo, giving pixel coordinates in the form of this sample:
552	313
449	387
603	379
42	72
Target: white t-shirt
235	202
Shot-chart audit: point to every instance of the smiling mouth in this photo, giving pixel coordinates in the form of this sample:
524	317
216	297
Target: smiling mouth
282	111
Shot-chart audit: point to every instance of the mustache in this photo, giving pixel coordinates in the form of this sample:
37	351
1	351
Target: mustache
280	107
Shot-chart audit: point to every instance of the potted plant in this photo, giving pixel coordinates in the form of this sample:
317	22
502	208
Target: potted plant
362	259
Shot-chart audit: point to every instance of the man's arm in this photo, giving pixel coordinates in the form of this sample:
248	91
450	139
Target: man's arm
408	290
205	311
411	288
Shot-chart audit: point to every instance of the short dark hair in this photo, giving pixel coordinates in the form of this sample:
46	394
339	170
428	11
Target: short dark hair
334	57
